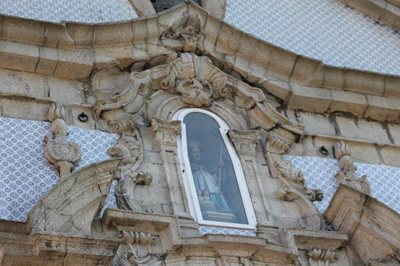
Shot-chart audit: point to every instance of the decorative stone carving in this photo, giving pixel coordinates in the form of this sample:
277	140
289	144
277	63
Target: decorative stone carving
124	191
294	180
245	141
59	151
138	250
321	257
186	31
197	88
347	173
277	143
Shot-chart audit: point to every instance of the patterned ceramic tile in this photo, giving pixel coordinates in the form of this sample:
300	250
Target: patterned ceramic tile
320	173
323	29
86	11
225	231
25	175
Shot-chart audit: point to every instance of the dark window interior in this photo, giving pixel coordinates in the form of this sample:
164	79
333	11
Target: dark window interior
161	5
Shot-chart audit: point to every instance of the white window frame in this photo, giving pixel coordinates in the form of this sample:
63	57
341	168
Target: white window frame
188	180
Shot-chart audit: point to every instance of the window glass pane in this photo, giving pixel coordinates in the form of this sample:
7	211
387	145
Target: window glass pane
212	170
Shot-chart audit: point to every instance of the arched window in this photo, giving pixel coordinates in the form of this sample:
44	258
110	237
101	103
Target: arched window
212	172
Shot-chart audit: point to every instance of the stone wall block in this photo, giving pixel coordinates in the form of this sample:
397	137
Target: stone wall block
362	130
308	72
390	156
65	92
347	101
378	108
108	35
334	78
153	31
228	40
215	7
81	34
29	32
23	83
212	29
394	131
392	86
74	65
310	99
18	56
48	59
24	109
364	82
282	62
277	87
53	33
139	31
315	124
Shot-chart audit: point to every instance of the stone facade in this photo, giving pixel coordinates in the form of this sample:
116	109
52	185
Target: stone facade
131	206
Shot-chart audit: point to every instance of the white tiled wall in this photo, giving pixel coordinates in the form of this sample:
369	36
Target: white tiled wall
323	29
25	174
86	11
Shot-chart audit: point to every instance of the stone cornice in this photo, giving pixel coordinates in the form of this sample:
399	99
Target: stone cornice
73	51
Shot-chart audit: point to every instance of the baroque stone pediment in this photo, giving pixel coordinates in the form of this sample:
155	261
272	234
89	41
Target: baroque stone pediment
196	82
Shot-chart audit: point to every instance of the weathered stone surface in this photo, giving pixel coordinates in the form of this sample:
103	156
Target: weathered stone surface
362	130
309	98
18	56
347	101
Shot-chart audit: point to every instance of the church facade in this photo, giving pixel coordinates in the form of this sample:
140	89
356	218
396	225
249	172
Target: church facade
175	138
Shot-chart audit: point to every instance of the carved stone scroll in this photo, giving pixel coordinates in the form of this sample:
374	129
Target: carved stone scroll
294	180
321	257
347	173
136	250
59	151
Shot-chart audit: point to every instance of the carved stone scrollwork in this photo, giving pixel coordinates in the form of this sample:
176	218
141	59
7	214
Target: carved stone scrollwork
128	148
347	173
186	31
295	183
198	89
137	250
245	141
59	151
277	143
321	257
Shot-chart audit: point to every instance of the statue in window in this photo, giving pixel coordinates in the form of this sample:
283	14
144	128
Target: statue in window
208	188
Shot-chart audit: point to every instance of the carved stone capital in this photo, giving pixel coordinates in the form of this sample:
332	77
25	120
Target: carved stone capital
318	256
277	143
245	141
347	173
166	131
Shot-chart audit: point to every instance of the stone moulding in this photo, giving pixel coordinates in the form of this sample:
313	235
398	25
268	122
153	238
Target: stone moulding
75	50
72	204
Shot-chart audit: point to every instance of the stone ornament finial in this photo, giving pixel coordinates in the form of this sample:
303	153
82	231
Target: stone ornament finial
59	151
347	173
